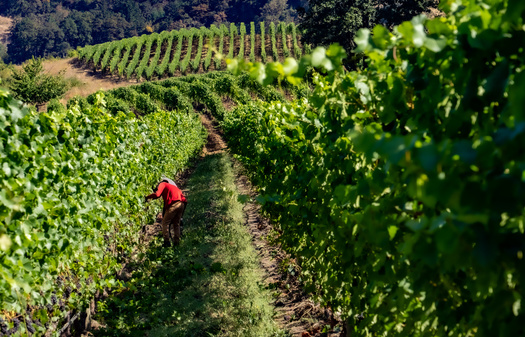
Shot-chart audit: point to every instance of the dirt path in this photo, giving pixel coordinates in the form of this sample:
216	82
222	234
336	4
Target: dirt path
295	312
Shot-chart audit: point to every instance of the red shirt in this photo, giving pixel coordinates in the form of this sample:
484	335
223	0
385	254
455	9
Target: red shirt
169	193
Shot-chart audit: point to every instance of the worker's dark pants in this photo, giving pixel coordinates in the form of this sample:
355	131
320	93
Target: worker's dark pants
172	214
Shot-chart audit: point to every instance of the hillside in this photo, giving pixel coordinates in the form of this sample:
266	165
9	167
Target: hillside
89	76
54	27
85	80
180	52
396	190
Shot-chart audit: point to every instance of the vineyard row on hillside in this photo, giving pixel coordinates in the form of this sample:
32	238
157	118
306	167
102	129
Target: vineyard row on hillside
72	182
190	50
210	90
400	187
84	153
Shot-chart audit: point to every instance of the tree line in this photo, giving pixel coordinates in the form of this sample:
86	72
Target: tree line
46	28
53	27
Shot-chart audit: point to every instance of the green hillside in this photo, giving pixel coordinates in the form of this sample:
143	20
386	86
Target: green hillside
178	52
394	193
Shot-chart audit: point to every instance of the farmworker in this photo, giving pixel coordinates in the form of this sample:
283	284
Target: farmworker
174	205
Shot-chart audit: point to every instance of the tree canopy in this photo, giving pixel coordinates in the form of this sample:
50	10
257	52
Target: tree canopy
31	86
52	27
330	21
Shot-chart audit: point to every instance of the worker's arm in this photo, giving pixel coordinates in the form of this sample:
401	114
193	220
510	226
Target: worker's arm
157	194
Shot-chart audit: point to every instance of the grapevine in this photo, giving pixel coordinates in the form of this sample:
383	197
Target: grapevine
115	58
157	55
197	60
186	60
176	57
146	55
252	42
400	186
107	55
158	52
162	68
233	34
211	44
242	34
275	52
101	49
296	49
71	188
223	30
136	57
263	43
282	28
125	58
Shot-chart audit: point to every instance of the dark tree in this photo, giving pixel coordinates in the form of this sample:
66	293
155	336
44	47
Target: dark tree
241	10
330	21
25	41
391	13
109	26
277	10
83	22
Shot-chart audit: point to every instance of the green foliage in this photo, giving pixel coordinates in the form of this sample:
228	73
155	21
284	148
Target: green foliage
55	105
162	68
115	58
252	41
129	44
54	27
211	45
283	29
242	34
107	55
337	21
100	51
182	93
3	52
218	61
132	65
146	63
31	86
263	43
176	57
186	60
296	49
197	60
233	34
153	63
145	55
275	51
72	186
400	187
169	284
86	53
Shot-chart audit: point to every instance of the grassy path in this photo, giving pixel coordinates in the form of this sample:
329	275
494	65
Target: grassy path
208	286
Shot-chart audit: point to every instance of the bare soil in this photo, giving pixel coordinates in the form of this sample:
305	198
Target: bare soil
88	80
5	28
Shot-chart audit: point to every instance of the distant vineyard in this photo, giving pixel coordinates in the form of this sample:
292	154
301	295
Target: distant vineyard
184	51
